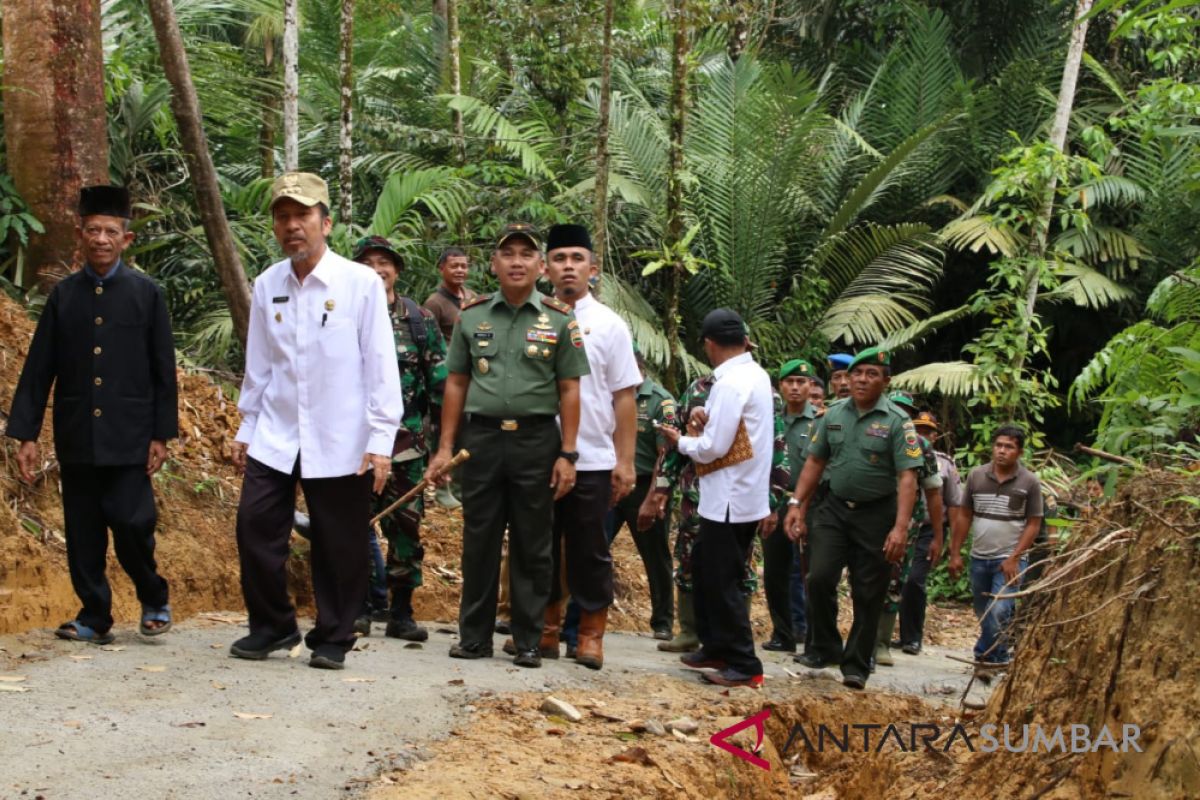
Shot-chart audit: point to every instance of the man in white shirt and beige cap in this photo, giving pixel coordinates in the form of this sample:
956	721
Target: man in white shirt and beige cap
320	406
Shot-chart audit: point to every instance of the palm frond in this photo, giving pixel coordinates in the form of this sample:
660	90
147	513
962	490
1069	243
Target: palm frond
976	233
950	378
914	334
1086	287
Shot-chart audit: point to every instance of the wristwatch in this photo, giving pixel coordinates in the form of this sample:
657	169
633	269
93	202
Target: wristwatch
569	455
793	501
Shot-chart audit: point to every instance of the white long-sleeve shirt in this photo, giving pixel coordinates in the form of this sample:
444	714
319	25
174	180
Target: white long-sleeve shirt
741	392
613	365
322	380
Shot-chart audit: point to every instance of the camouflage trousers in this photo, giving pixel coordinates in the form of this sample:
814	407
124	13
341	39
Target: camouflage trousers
900	570
685	540
402	528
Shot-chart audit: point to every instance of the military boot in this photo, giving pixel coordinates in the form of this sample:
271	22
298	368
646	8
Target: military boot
686	640
446	499
401	625
887	624
590	648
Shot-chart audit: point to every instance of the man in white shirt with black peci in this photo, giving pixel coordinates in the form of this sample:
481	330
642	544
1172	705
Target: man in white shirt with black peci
732	444
607	441
320	406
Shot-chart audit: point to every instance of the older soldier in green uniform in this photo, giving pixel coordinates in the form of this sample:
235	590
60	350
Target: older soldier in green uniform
799	416
515	362
872	453
421	356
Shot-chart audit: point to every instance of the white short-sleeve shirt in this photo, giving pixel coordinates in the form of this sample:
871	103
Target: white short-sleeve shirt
609	348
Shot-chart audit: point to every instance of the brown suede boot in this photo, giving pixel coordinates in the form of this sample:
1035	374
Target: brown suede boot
551	627
590	651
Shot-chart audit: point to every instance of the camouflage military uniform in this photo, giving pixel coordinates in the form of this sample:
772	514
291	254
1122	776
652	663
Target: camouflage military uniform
679	471
926	475
422	380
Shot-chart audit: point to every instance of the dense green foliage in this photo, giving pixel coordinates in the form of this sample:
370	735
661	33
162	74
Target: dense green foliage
853	172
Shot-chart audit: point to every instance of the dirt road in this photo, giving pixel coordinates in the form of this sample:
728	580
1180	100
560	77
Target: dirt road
179	718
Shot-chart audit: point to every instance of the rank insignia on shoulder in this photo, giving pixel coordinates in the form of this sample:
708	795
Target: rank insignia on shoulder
483	298
556	304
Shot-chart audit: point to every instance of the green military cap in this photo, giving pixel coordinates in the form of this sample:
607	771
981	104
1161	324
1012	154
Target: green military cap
872	355
798	367
377	243
303	187
903	399
521	229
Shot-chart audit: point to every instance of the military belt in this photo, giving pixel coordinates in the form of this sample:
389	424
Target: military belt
859	504
511	423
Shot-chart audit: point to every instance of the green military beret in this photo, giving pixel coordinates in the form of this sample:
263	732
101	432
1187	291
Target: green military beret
798	367
903	399
872	355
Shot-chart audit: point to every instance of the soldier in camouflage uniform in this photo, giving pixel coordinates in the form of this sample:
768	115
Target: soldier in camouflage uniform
421	353
678	471
929	496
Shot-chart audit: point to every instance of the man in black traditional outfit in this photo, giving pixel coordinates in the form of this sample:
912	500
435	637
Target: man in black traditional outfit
104	342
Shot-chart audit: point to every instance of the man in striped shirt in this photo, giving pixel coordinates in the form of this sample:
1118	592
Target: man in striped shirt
1002	508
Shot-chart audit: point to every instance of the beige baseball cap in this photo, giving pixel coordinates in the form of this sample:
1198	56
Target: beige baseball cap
303	187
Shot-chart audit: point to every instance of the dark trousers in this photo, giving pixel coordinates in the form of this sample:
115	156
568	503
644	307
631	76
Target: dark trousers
912	596
799	595
846	537
506	484
96	499
340	510
722	618
579	534
778	554
655	550
654	546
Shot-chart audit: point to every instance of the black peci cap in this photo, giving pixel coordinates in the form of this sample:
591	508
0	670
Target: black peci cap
108	201
568	236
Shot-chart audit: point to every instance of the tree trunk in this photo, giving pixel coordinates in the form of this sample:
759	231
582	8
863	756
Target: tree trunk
55	123
739	28
345	140
1058	138
270	116
186	108
291	85
674	228
453	44
600	206
441	9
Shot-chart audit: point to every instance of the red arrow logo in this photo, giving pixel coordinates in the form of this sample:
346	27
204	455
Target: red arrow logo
759	721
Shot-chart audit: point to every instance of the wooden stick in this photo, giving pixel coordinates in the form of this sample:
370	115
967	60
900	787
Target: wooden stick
1091	451
462	456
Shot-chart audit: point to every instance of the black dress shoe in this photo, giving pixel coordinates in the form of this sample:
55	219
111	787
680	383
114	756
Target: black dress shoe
779	646
328	656
912	648
258	646
476	650
854	681
811	661
503	626
662	633
362	625
531	658
406	629
571	650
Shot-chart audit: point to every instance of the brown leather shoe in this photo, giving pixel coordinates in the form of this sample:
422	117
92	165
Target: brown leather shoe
551	627
590	650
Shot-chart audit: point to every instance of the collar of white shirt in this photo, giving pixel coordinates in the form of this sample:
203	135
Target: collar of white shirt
731	364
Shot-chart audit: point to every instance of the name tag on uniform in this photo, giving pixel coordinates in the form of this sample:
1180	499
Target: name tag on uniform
833	427
484	335
283	299
546	337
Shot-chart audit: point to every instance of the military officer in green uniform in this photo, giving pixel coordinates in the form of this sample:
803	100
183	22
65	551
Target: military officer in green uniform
795	379
515	362
421	356
872	452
